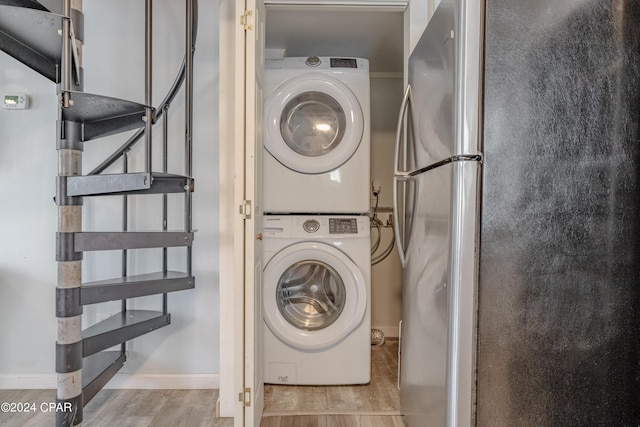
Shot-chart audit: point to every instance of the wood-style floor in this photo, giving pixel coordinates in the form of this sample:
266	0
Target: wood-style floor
373	405
333	421
123	408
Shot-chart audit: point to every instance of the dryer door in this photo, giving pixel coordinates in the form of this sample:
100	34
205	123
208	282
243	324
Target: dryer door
313	124
314	295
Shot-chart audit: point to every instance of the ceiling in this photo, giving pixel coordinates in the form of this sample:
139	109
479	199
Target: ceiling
373	34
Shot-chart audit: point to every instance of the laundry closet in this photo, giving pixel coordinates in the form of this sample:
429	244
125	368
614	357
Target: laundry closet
375	33
382	33
336	34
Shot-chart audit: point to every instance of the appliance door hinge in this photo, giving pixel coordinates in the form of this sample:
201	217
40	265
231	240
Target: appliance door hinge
245	397
246	20
245	209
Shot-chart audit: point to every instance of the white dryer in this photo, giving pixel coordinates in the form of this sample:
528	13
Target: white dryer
316	293
317	135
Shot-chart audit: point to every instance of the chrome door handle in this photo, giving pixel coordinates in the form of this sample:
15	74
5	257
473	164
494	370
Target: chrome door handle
399	354
406	101
400	175
396	213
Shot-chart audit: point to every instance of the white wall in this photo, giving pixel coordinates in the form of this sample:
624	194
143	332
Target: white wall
186	353
420	12
386	277
27	226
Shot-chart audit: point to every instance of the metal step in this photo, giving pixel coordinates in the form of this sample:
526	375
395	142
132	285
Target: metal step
120	328
129	183
135	286
97	370
102	115
53	6
107	241
33	36
29	4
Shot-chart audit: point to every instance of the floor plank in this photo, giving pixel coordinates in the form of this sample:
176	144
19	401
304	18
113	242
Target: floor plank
124	408
381	395
333	421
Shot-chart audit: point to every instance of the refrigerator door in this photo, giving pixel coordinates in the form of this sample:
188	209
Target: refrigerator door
423	347
438	298
430	135
462	293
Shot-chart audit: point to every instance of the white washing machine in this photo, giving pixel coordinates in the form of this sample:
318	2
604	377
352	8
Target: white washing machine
317	135
316	292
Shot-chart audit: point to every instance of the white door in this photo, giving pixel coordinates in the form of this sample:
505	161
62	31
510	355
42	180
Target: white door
253	393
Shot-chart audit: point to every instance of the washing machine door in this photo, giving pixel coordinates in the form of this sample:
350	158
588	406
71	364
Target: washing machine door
314	295
313	124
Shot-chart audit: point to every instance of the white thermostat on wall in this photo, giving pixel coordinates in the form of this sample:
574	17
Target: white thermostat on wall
15	101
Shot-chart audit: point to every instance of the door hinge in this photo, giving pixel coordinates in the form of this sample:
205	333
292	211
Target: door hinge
245	397
245	209
246	20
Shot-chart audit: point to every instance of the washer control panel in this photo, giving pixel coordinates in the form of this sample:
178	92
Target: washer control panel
343	226
316	226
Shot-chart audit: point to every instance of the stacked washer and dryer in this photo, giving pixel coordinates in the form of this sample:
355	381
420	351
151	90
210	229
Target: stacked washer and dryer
317	251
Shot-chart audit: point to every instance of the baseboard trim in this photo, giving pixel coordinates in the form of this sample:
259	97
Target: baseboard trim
120	381
331	412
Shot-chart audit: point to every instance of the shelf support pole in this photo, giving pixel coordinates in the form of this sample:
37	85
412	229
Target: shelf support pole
68	309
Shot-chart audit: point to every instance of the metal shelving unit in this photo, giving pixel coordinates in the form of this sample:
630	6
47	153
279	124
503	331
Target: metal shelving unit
43	37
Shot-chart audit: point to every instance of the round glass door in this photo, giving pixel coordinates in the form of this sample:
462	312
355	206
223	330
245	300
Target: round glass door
310	295
312	124
313	295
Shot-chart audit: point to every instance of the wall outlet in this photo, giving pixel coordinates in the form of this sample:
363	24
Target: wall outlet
376	187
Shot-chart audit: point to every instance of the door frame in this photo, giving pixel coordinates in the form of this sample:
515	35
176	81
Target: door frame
234	226
232	178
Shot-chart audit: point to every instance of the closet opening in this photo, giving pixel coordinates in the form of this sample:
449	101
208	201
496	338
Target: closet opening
378	34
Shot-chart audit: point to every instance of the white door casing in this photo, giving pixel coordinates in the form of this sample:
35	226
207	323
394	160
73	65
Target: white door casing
241	53
253	392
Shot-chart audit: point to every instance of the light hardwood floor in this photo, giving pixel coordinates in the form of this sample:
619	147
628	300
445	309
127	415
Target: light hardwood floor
123	408
333	421
373	405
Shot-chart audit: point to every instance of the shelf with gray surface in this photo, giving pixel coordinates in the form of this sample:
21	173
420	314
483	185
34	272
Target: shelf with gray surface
128	183
120	328
135	286
107	241
27	4
33	35
101	115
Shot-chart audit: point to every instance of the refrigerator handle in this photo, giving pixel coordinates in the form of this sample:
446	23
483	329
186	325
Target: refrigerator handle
396	214
397	170
400	175
399	353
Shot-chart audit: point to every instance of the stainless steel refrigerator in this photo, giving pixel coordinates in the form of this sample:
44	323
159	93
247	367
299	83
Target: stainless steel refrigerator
518	216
